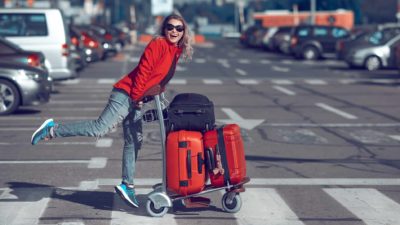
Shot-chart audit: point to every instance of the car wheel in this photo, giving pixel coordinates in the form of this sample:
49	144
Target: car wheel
310	53
372	63
9	97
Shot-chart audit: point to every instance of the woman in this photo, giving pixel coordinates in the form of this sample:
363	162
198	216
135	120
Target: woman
156	67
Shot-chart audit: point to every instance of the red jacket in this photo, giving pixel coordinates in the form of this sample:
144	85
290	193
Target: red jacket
153	66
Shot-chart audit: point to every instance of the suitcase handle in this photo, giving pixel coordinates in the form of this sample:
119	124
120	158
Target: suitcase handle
200	163
189	164
210	159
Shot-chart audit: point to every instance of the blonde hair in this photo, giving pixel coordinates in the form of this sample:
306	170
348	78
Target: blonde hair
186	41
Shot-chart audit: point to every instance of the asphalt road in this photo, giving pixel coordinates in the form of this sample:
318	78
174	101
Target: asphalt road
322	144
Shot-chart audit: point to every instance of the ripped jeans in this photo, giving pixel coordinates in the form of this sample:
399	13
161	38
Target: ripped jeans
120	107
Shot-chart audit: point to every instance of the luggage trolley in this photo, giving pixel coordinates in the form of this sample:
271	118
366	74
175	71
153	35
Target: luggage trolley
159	201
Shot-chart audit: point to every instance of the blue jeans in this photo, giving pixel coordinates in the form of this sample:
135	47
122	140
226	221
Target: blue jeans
120	108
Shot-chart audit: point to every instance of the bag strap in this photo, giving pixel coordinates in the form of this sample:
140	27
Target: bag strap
170	73
222	150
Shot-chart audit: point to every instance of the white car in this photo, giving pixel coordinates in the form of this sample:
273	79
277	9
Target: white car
41	30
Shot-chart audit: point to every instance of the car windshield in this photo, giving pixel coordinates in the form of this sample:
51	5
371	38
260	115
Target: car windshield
382	37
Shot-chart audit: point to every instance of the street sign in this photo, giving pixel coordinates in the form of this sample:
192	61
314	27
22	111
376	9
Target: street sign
161	7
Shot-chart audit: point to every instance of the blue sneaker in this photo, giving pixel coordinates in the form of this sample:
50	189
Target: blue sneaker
42	132
127	194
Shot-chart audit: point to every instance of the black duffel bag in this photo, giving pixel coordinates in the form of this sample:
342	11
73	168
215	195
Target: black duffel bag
190	111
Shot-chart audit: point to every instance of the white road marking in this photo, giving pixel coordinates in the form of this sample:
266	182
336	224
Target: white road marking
395	137
236	118
265	61
134	59
241	72
282	82
247	82
244	61
287	62
265	206
315	82
200	60
325	181
280	69
369	205
284	90
27	210
180	68
347	81
212	81
104	142
74	81
106	81
93	163
331	125
224	63
123	214
178	81
336	111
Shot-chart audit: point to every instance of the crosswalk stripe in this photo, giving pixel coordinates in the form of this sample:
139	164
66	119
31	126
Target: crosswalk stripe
370	205
282	82
106	81
395	137
315	82
265	206
247	82
178	81
124	214
212	81
336	111
27	210
284	90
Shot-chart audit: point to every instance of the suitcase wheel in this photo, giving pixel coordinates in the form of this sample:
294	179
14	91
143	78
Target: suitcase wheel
153	211
231	202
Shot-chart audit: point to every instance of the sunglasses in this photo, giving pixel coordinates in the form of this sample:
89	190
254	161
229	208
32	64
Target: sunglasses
178	28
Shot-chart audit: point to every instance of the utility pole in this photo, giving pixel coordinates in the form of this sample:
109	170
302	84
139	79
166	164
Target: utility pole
313	6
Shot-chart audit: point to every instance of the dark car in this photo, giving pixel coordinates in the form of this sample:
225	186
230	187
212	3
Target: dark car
378	36
13	53
22	85
315	41
280	41
252	36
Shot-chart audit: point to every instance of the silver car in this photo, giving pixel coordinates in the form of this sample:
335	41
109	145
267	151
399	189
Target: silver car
374	56
22	85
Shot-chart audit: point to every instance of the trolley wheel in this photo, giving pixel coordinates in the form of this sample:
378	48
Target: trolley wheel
231	205
152	211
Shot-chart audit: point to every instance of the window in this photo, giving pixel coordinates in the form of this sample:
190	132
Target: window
320	31
339	32
303	32
19	24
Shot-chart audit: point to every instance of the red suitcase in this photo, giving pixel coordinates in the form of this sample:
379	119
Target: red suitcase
226	144
185	162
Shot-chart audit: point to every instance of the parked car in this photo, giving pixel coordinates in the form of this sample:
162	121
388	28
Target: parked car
106	39
90	44
267	37
13	53
315	41
40	30
280	41
366	37
374	57
252	36
22	85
